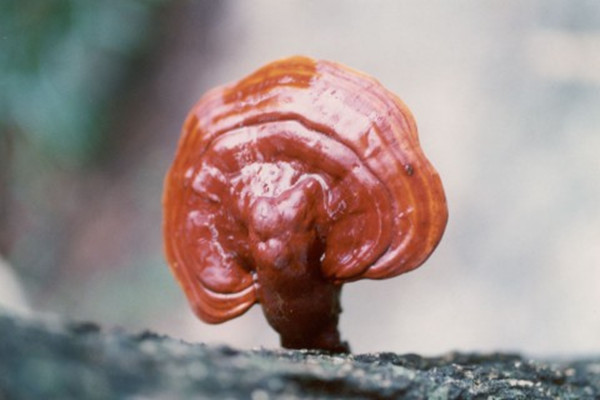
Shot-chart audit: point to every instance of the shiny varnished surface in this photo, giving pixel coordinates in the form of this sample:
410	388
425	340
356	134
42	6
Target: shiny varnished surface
300	177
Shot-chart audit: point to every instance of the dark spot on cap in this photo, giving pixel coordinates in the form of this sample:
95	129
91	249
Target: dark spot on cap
409	169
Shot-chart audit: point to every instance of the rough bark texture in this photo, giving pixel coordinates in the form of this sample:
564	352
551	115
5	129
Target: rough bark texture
42	359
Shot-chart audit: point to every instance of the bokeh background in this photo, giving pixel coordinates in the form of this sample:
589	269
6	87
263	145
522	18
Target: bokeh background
506	95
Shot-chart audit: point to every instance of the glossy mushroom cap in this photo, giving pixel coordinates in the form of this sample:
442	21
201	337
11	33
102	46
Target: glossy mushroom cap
304	168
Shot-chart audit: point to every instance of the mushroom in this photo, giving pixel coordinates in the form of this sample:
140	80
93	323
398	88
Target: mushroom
299	178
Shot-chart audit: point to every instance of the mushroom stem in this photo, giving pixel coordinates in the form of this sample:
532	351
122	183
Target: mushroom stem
299	302
305	312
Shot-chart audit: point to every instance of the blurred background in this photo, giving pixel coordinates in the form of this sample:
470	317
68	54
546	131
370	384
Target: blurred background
506	95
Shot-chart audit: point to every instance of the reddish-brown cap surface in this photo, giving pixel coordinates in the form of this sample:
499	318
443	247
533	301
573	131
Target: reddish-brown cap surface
300	151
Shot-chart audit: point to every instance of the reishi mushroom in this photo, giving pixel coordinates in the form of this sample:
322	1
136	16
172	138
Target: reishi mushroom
300	177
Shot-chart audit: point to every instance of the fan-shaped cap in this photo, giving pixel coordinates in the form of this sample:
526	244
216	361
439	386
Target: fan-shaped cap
297	145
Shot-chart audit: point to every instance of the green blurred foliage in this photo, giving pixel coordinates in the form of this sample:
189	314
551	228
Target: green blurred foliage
66	67
61	63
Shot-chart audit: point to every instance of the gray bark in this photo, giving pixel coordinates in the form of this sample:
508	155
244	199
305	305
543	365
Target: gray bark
54	359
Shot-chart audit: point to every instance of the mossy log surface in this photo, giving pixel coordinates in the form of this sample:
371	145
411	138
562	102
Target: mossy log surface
52	359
